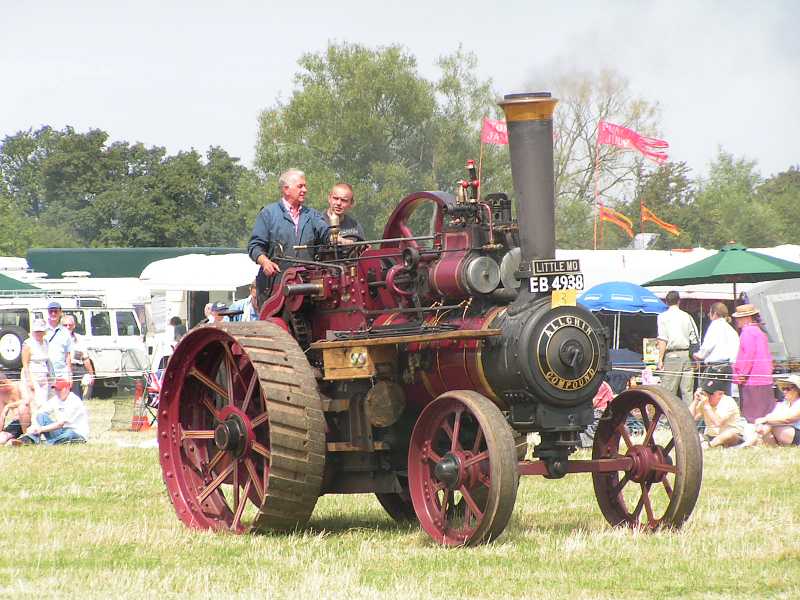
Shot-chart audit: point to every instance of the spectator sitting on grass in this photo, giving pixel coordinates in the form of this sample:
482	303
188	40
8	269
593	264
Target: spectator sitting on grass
781	426
15	406
724	424
64	419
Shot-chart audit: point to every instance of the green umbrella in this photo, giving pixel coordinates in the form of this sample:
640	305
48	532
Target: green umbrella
11	284
732	264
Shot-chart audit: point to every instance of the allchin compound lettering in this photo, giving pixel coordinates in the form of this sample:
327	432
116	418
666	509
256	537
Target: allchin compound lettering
552	377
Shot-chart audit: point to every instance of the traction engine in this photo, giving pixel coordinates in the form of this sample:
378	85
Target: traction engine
414	367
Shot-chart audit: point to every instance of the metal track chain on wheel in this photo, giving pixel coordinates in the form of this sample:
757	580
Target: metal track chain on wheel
241	430
662	485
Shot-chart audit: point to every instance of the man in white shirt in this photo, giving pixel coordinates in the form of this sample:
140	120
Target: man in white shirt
676	333
62	420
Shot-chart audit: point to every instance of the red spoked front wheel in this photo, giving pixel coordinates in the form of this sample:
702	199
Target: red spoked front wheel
241	433
462	469
662	486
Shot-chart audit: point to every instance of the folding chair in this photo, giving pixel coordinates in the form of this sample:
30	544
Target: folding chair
152	391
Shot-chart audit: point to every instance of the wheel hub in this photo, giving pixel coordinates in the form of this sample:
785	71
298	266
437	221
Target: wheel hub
231	435
448	470
645	459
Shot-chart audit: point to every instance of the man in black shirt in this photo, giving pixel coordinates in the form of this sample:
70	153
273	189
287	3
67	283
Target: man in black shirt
340	201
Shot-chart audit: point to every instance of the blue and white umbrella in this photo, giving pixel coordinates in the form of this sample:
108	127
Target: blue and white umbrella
621	297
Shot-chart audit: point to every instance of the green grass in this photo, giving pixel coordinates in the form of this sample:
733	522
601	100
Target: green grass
94	521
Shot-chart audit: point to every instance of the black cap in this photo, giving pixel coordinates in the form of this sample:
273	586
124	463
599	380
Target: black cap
715	385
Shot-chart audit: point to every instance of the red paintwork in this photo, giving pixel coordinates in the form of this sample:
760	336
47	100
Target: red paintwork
444	275
432	502
397	225
603	465
182	407
274	304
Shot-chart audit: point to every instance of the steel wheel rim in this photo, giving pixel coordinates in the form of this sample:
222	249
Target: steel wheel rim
214	434
662	485
462	470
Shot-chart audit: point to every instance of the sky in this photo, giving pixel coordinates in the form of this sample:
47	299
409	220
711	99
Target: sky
195	74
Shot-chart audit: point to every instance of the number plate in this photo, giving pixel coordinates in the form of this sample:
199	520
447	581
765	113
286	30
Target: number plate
556	275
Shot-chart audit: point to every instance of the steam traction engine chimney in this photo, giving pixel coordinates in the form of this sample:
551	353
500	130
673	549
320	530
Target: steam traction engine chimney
529	118
550	361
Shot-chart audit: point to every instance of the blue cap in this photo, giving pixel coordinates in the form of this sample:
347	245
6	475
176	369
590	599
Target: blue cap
218	306
54	305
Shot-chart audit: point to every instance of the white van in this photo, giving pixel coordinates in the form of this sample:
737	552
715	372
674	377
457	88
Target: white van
113	335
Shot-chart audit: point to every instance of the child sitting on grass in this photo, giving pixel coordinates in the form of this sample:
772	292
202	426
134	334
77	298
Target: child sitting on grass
62	420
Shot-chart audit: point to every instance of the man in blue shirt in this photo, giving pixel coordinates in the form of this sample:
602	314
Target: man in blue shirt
248	306
281	226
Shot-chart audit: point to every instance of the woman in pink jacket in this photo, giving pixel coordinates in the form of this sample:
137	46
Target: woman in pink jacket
753	367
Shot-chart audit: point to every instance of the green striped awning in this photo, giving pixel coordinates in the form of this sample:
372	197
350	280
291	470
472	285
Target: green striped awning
9	284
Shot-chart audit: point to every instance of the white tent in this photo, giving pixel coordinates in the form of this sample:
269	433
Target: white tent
639	266
200	272
779	303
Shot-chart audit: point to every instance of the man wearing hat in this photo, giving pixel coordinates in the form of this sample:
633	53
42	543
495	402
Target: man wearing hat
724	424
59	342
63	419
781	426
36	367
753	367
216	309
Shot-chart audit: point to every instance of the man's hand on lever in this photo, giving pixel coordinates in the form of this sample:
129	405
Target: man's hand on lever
269	267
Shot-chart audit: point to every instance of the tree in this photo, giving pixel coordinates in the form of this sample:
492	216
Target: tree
184	201
21	171
574	224
726	200
67	188
584	100
781	193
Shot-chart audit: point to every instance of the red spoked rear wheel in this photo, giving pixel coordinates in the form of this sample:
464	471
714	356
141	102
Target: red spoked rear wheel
462	469
662	486
240	429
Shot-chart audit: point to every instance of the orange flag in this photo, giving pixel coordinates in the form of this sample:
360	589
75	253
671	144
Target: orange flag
617	218
647	215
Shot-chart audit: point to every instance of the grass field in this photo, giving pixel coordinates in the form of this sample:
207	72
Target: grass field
94	521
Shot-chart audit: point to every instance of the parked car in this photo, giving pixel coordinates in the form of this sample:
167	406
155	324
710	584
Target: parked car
113	335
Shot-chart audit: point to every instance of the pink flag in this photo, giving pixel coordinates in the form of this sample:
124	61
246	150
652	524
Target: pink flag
494	132
622	137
